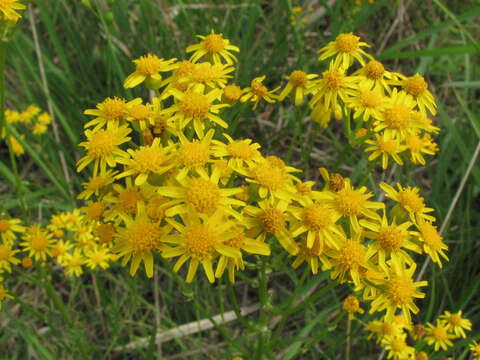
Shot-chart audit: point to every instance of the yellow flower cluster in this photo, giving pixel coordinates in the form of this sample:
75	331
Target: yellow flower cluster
32	120
73	239
389	110
169	181
426	339
9	8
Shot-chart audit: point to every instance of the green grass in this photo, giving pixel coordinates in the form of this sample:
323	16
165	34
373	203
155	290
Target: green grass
87	54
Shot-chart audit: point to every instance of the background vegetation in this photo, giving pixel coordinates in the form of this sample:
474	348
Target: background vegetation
67	56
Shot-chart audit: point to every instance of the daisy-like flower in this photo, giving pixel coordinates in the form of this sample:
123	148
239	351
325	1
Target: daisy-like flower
397	347
148	68
103	147
333	85
273	178
431	241
139	115
475	349
456	324
391	241
241	154
8	228
385	146
231	94
438	336
9	8
37	242
94	211
257	91
351	305
201	238
125	199
374	76
318	220
211	75
299	83
200	194
139	240
111	110
144	161
346	48
353	203
105	233
382	329
409	202
313	256
243	243
365	102
418	145
216	47
418	88
398	292
195	106
96	184
98	257
60	249
396	119
73	263
7	257
271	217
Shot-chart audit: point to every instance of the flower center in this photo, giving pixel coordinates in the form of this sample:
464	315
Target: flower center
431	237
237	242
195	105
454	319
194	154
398	345
388	146
397	117
298	78
240	149
411	201
347	43
203	195
439	334
148	159
370	99
391	238
272	220
269	176
232	93
415	85
144	236
105	233
333	79
127	200
303	189
154	209
259	89
139	112
4	225
351	304
317	217
113	108
148	65
101	144
400	290
96	183
374	70
95	209
39	242
214	43
349	202
414	143
352	254
199	241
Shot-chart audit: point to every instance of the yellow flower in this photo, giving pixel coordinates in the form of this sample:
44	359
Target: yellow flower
37	242
231	94
200	194
139	240
456	324
431	241
60	249
144	161
111	110
418	145
195	106
385	146
44	118
102	147
16	146
211	75
125	199
346	48
98	256
418	88
215	46
333	85
390	242
8	228
257	91
312	256
475	349
397	347
148	68
409	200
382	329
7	257
374	76
351	305
333	182
73	262
39	129
242	242
365	102
201	238
438	336
4	295
8	9
398	292
96	184
241	154
271	217
299	82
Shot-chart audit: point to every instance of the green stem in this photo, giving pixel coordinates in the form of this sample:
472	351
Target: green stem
296	35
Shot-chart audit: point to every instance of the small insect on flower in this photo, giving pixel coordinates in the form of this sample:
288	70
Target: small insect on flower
148	68
216	47
346	48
